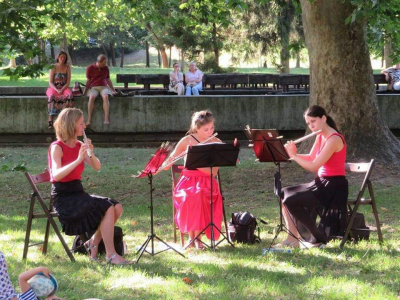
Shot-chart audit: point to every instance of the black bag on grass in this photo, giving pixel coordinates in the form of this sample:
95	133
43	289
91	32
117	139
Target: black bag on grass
242	228
359	231
119	244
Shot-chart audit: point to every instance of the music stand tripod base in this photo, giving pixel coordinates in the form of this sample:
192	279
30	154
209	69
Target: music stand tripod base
210	156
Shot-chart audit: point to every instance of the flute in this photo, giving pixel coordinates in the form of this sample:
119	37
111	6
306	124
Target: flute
89	152
306	136
182	155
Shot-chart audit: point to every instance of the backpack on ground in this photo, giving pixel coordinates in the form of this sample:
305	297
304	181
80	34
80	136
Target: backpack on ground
359	231
119	244
242	227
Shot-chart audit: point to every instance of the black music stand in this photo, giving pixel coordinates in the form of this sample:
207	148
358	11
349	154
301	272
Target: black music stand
151	168
210	156
268	147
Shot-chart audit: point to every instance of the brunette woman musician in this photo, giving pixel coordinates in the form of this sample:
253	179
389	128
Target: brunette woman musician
192	191
78	211
325	196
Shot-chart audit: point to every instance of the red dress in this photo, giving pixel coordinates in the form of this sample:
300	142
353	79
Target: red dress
192	202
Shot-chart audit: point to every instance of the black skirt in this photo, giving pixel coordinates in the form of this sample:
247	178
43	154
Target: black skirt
78	212
318	209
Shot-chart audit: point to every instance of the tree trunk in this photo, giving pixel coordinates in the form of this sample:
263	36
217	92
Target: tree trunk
103	46
64	47
13	63
388	50
112	49
298	59
147	55
159	58
53	55
122	56
215	45
170	57
334	66
72	54
286	16
182	61
383	58
160	46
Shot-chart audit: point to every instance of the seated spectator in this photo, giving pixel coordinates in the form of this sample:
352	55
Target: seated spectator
99	83
193	80
59	95
7	291
392	75
176	80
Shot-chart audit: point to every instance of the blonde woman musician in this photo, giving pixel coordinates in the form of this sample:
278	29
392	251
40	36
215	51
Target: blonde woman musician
326	196
78	211
176	80
192	191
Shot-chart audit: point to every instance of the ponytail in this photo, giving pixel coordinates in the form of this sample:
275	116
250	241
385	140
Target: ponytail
318	111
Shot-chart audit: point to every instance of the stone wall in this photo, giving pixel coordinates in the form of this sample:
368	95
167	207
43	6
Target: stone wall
160	114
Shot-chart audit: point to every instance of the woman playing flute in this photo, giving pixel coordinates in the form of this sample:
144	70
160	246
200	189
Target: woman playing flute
326	196
192	191
78	211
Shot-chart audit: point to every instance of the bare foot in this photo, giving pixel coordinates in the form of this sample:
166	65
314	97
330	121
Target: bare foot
106	122
199	245
88	123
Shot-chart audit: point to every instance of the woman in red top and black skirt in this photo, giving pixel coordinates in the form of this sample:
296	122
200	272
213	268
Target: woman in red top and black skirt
326	196
78	211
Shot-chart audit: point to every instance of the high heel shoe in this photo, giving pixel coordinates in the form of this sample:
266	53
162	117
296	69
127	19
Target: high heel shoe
88	248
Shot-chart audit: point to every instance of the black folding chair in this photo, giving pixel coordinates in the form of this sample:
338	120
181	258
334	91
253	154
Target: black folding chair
46	212
354	204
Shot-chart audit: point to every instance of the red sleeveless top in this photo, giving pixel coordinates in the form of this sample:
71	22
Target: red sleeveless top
335	164
69	155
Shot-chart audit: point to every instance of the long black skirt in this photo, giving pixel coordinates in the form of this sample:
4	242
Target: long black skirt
78	212
318	209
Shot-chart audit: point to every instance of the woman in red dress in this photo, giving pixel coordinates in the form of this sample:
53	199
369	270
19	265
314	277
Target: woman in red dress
192	191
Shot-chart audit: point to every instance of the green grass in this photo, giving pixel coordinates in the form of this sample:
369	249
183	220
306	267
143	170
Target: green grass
362	271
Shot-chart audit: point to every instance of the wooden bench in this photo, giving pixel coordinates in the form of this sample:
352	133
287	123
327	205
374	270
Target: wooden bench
262	80
379	79
286	80
126	79
149	79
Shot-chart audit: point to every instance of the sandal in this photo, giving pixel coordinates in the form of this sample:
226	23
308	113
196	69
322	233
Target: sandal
199	245
124	263
285	243
50	125
88	248
189	244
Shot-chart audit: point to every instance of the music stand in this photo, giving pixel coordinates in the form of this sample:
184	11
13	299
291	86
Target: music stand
210	156
268	147
151	168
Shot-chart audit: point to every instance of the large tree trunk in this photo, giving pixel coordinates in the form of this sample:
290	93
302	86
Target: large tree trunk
113	62
159	58
341	80
71	51
170	57
388	52
52	53
298	59
286	17
103	46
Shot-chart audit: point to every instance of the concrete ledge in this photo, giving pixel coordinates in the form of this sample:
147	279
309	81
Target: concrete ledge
165	114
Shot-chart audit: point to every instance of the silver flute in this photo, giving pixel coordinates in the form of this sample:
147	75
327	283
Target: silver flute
89	152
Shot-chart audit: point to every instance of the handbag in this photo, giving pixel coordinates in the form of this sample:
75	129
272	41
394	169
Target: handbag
77	89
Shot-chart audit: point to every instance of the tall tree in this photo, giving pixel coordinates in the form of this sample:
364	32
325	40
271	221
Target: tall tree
338	55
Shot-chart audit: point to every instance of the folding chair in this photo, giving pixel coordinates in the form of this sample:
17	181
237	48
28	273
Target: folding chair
175	173
47	212
353	205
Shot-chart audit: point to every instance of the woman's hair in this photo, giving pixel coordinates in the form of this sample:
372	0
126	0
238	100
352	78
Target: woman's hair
65	123
200	118
62	53
176	63
318	111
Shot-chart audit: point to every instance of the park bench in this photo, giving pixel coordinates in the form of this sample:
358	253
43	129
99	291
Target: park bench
263	80
126	79
379	79
149	79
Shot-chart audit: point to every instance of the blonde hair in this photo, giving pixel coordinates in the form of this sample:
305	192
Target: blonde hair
200	118
65	124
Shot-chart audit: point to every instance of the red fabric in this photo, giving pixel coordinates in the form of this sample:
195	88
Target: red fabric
335	165
192	202
52	92
97	76
69	155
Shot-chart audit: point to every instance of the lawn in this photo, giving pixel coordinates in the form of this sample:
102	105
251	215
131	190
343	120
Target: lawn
363	271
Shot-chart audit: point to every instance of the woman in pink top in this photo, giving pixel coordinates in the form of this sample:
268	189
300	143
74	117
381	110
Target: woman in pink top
326	196
78	211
